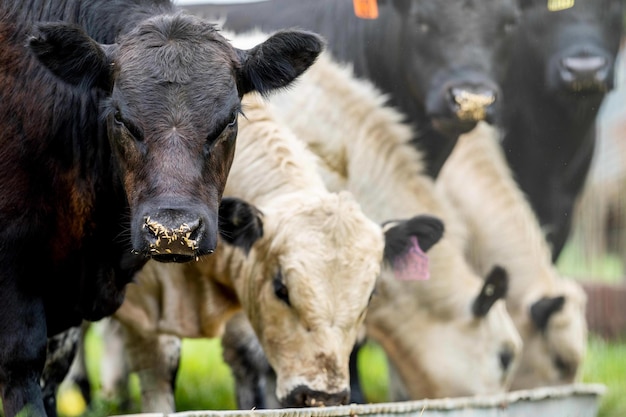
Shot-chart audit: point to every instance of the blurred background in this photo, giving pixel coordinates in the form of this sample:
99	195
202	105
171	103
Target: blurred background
594	255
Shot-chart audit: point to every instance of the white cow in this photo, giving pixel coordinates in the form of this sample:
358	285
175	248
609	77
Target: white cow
548	310
447	336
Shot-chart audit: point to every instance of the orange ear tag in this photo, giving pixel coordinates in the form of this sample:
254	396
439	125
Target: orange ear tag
366	9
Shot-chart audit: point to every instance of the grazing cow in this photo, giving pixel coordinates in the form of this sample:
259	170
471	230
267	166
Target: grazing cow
441	62
449	335
111	155
548	310
304	285
561	69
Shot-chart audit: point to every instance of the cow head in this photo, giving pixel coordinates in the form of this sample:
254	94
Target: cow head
174	86
574	46
453	56
554	330
460	347
305	290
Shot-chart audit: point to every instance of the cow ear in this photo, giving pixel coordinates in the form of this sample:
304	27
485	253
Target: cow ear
427	229
240	223
495	287
278	60
68	52
542	310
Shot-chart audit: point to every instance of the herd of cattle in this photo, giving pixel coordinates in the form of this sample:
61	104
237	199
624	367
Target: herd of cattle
296	180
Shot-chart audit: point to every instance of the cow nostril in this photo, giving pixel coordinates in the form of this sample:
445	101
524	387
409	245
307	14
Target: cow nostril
195	229
506	358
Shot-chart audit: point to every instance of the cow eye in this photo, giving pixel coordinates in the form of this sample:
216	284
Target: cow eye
280	289
130	128
423	25
234	120
117	118
509	25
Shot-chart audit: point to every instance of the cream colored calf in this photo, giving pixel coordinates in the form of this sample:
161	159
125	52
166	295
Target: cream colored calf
548	310
446	336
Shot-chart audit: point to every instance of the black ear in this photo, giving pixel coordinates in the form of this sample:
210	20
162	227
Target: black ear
542	310
68	52
278	61
427	229
240	223
495	287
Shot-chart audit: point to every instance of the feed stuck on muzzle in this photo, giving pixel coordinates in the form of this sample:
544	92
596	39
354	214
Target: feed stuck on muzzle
171	241
472	106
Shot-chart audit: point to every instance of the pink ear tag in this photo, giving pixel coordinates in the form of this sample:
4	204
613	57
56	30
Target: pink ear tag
413	266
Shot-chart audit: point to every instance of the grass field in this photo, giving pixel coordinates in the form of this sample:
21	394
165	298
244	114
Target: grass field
205	382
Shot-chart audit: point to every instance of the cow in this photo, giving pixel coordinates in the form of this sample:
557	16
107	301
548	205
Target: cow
113	153
239	226
562	66
447	336
305	285
441	62
547	308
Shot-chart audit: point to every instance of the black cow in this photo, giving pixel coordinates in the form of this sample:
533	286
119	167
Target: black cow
440	61
110	155
561	69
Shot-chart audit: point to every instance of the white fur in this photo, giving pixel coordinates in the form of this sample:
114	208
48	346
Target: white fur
505	231
427	328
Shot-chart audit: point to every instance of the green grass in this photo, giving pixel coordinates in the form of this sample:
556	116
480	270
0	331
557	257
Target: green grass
573	263
205	381
606	364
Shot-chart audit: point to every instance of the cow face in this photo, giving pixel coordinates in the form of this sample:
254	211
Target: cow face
173	87
575	47
307	291
471	348
453	56
554	330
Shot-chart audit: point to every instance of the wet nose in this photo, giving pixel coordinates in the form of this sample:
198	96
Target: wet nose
303	396
472	102
173	234
584	70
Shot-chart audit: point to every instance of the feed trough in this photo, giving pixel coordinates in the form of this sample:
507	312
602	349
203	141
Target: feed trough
577	400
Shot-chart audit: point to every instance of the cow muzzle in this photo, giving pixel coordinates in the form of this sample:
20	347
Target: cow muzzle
586	73
303	396
172	235
472	105
172	241
459	104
